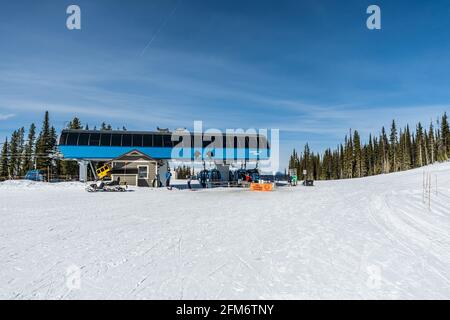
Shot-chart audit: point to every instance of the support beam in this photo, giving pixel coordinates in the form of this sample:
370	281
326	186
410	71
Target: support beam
162	169
83	170
94	174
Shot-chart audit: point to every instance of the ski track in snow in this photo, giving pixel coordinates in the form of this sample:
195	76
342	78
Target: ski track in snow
319	242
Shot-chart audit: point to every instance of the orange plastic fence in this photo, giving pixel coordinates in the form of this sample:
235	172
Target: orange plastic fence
261	187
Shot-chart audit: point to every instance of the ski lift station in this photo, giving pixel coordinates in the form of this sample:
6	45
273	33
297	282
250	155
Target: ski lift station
140	157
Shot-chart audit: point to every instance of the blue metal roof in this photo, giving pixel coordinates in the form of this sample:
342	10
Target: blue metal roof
109	153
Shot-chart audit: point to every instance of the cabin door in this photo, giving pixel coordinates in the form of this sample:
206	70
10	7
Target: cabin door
143	176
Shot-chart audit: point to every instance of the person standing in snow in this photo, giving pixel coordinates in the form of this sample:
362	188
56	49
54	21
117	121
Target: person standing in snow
189	180
294	180
168	176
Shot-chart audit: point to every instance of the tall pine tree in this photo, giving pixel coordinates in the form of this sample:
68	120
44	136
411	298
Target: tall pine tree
393	148
44	145
28	162
445	135
4	161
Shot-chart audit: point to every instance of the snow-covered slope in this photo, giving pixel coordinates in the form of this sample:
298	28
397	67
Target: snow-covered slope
363	238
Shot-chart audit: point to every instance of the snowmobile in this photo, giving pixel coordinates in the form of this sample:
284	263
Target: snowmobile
104	173
112	186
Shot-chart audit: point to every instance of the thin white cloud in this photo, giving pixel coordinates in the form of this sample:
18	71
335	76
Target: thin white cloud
6	116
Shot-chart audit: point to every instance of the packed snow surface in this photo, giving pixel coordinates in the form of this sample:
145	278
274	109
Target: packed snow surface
368	238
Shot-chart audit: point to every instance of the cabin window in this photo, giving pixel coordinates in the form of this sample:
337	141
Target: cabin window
142	172
116	140
63	138
208	141
147	140
94	139
263	143
83	139
252	142
167	141
118	165
105	139
137	140
179	140
72	139
228	142
126	140
195	139
157	140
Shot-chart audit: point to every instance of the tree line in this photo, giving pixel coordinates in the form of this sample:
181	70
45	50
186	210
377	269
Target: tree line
182	172
399	150
25	151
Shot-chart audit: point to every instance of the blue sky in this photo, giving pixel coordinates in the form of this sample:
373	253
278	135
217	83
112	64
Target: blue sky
310	68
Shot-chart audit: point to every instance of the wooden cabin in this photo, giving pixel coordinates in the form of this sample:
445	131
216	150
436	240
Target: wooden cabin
135	169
